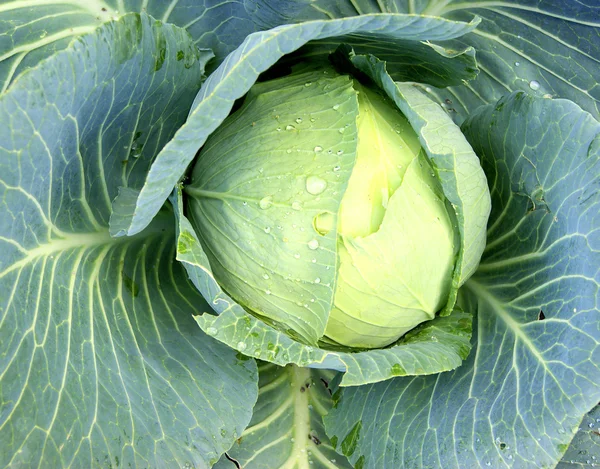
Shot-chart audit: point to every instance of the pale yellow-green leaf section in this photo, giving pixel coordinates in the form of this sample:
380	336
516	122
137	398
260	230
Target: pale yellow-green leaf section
399	276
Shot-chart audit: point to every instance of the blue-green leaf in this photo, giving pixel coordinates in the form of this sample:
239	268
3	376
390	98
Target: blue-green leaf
544	47
286	430
32	30
584	450
238	73
101	363
519	399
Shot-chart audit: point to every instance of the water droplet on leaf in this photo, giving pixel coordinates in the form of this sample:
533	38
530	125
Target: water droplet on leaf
315	185
266	202
313	244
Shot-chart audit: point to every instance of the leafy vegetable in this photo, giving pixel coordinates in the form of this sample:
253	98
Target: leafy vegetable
111	106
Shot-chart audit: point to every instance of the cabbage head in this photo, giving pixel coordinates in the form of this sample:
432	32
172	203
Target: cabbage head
322	214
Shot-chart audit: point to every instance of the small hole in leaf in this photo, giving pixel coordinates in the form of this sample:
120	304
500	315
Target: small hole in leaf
541	315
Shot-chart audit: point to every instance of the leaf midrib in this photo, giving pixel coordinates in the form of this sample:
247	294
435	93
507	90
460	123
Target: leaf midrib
54	246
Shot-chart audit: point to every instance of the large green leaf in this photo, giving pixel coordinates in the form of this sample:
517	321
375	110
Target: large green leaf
438	345
101	363
239	72
31	30
584	450
286	430
254	211
540	46
518	400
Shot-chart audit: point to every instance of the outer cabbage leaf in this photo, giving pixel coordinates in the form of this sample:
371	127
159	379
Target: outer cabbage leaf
34	29
584	450
239	72
434	346
539	46
518	400
101	363
286	430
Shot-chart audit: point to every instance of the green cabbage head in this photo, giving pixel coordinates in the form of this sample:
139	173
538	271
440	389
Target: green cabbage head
322	214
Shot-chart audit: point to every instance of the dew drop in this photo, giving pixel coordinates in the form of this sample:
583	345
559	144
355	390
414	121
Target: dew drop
289	150
428	89
315	185
517	64
211	331
244	203
337	168
312	119
342	130
278	129
266	276
296	205
534	85
290	127
314	261
241	346
313	244
318	149
299	120
308	83
317	280
340	152
266	202
336	107
297	256
267	292
323	223
267	229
